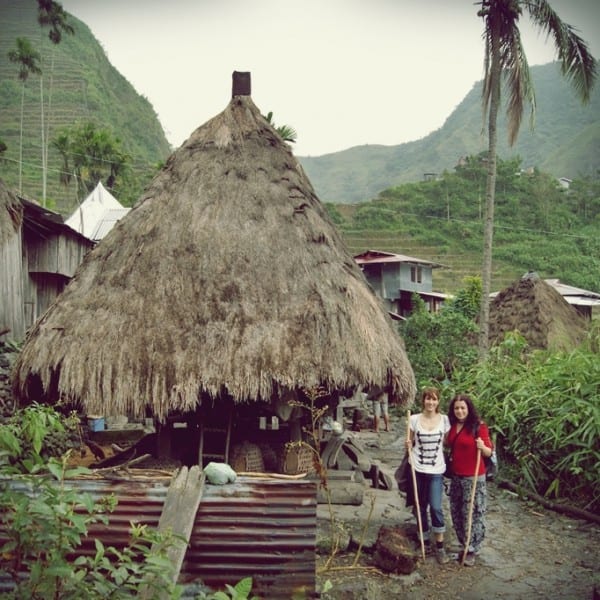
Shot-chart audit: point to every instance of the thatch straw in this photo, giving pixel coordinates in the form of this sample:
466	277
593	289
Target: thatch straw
539	313
226	279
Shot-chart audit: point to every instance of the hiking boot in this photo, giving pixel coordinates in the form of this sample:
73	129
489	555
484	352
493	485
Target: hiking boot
441	556
426	545
469	559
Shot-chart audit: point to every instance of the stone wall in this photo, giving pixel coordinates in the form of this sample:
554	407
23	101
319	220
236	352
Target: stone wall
8	355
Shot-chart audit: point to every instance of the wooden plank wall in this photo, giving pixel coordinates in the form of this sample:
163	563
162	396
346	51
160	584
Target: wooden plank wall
34	270
11	289
49	263
56	253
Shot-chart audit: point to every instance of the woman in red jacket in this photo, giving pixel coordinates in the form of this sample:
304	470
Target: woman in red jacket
467	435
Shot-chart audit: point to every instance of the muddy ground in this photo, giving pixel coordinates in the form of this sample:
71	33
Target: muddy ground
529	552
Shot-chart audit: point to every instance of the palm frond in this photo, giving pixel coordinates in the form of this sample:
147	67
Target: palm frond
518	83
287	133
486	91
577	63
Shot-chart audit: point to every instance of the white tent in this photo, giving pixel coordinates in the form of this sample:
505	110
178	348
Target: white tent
97	214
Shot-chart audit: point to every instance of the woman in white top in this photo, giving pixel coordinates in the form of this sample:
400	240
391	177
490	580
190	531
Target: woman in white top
427	432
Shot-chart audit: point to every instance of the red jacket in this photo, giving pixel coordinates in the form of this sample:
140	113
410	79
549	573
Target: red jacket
464	450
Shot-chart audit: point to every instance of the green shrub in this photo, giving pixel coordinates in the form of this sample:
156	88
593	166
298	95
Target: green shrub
439	343
44	521
545	410
34	434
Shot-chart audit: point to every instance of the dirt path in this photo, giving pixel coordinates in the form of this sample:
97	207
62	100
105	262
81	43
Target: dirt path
529	552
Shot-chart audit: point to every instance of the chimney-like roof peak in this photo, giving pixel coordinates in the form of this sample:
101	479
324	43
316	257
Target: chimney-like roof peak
241	83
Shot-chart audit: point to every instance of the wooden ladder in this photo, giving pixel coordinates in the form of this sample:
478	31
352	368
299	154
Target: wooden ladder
215	440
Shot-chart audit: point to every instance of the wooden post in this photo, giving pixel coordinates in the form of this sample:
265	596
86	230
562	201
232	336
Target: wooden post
471	505
415	488
178	515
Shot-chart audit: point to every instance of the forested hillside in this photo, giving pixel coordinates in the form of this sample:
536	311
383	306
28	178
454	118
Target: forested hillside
565	143
79	85
540	226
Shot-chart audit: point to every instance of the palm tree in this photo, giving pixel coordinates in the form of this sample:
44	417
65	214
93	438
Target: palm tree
27	59
505	63
287	133
90	154
50	14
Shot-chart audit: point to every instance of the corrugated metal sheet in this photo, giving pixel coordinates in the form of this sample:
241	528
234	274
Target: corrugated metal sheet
107	222
263	528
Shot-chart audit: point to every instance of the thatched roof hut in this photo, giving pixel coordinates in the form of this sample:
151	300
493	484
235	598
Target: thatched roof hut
538	312
227	279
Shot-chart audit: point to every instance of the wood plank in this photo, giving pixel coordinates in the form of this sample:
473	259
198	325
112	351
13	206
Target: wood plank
178	515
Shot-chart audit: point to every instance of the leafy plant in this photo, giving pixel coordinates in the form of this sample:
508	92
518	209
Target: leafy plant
90	154
287	132
314	404
439	343
240	591
545	409
32	435
44	521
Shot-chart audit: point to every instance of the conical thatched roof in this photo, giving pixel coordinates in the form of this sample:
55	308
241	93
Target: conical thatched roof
227	278
539	313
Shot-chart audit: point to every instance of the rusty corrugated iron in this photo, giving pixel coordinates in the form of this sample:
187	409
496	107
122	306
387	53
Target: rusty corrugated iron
259	527
262	528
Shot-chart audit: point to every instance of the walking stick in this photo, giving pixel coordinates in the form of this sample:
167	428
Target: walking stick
471	504
414	482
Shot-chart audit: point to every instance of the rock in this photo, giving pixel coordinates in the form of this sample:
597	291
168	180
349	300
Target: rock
394	552
342	492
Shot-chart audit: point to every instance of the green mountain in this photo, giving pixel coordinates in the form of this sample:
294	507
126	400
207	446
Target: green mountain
377	194
79	85
565	143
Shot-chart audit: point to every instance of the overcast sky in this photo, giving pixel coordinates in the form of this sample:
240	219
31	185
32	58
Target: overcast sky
341	72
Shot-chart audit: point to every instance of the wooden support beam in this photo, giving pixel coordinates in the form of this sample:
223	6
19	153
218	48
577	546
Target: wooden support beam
178	515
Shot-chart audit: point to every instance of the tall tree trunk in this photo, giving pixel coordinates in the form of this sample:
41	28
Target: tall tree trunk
43	126
47	114
21	141
43	140
490	193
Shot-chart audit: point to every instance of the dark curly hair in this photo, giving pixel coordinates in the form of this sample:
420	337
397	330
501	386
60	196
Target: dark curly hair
472	421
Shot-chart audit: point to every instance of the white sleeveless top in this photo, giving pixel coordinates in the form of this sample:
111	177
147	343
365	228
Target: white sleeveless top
428	451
